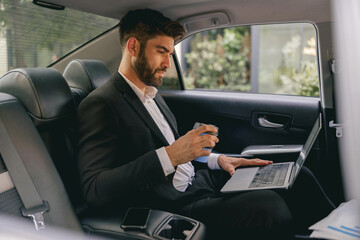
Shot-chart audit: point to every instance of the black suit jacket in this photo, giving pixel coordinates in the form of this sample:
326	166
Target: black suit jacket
117	142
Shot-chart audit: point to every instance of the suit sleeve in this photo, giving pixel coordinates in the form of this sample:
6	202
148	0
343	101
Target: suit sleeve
108	170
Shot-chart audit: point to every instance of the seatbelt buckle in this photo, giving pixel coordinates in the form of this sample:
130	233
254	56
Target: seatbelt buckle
37	214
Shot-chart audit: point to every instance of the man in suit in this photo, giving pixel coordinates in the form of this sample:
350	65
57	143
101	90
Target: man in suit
130	153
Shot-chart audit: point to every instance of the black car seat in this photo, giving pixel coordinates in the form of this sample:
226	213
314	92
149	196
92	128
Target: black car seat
35	106
49	103
37	120
83	76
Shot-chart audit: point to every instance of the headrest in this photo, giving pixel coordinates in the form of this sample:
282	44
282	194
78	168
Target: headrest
43	91
86	75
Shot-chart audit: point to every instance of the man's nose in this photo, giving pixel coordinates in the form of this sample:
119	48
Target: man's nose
166	62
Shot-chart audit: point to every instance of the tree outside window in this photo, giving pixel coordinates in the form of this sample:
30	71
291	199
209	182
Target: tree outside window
283	59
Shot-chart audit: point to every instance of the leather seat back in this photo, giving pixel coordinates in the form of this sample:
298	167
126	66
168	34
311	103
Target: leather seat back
38	163
49	103
43	91
83	76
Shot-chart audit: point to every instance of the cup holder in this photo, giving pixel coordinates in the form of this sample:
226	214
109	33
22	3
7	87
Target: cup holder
177	228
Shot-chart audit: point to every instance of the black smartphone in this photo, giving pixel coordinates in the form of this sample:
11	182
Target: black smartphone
136	218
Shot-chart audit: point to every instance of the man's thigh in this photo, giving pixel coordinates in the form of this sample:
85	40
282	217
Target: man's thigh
253	215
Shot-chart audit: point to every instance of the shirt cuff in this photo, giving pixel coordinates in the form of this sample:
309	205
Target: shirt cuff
165	162
213	161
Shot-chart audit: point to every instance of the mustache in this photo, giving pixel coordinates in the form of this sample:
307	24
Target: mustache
160	70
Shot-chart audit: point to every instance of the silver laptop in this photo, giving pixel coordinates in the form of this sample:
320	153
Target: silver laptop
273	176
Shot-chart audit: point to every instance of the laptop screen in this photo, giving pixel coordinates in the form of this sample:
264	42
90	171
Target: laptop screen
307	147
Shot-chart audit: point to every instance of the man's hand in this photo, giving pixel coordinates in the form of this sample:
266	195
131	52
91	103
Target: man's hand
229	164
190	146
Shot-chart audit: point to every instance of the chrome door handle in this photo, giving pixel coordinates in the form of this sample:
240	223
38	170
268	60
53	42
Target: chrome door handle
265	123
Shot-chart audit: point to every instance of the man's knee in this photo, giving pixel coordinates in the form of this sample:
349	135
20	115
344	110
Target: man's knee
267	215
277	218
275	208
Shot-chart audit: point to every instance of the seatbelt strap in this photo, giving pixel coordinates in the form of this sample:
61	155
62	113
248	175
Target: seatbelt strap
34	206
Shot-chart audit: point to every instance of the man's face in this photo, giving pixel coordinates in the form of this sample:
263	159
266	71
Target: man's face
154	59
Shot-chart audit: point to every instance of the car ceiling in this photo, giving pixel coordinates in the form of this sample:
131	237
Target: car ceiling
239	11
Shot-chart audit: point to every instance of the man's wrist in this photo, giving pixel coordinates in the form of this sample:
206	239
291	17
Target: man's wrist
165	161
213	161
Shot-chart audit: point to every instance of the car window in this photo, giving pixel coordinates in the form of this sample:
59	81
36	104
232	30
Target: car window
33	36
274	58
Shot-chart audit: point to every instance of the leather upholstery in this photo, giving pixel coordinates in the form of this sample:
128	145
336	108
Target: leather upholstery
43	91
37	162
49	102
86	75
48	99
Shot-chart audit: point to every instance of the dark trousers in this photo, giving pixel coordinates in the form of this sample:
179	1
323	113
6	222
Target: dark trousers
307	201
262	214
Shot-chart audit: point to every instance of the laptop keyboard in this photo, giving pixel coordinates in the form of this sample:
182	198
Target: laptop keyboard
270	175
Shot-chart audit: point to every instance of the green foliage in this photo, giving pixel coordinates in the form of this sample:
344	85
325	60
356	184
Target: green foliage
218	60
304	82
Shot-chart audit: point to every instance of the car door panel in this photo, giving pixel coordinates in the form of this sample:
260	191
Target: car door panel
236	115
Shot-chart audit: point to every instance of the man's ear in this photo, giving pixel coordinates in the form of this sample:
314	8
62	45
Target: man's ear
133	46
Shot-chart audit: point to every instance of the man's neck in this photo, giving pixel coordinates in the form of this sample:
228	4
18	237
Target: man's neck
132	76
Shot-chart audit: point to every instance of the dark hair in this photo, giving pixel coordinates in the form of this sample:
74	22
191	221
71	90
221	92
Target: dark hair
147	23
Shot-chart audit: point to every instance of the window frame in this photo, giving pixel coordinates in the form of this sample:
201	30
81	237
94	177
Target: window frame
318	60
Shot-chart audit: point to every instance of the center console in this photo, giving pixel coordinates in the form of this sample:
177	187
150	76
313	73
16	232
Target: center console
160	225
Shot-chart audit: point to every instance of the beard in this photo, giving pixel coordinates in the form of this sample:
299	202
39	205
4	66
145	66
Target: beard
144	71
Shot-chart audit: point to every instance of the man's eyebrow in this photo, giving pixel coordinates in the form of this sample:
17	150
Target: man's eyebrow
165	49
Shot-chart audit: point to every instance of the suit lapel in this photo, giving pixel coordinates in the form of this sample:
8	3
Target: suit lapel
167	114
133	100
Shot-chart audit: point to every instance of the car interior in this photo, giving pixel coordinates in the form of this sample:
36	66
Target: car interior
39	179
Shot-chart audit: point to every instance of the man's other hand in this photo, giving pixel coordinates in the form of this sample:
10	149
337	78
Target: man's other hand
229	164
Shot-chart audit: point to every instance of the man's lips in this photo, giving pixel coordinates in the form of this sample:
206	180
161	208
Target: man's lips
161	72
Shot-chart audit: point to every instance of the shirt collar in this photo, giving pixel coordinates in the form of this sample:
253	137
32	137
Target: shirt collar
150	91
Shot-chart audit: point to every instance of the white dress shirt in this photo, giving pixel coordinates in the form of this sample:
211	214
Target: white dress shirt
185	172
